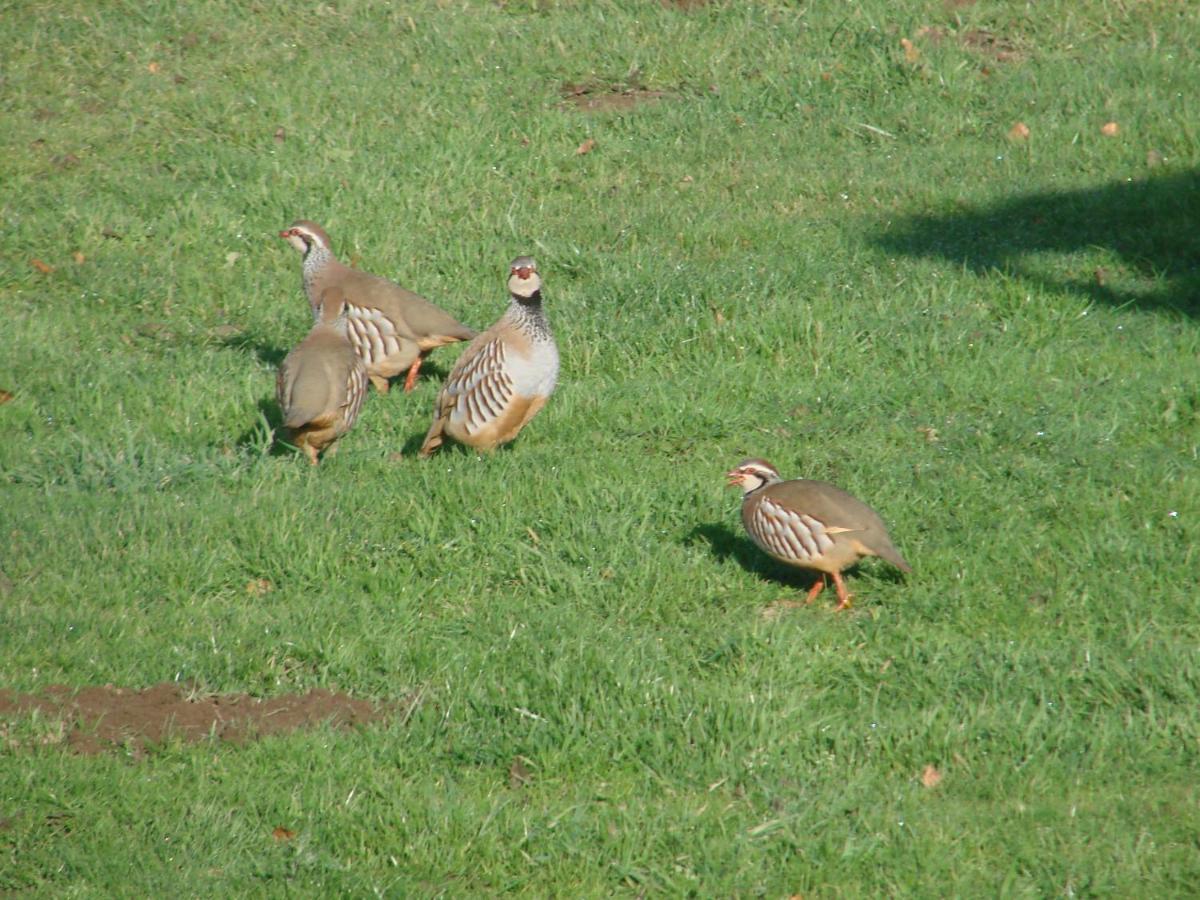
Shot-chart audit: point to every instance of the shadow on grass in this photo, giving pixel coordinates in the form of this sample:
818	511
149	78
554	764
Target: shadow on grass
268	427
726	543
1153	224
267	353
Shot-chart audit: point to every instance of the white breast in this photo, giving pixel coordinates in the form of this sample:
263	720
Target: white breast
535	374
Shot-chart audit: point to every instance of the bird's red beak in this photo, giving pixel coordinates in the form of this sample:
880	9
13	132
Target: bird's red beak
733	478
287	233
524	272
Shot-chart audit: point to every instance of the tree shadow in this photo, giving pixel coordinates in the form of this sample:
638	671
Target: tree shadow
1152	224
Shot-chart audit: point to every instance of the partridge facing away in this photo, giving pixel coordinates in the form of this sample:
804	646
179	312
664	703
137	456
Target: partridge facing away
322	382
810	524
505	375
391	328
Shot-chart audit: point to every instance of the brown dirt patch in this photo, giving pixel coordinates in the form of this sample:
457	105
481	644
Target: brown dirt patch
598	98
95	719
989	44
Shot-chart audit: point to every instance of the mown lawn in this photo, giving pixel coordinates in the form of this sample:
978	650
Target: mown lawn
809	232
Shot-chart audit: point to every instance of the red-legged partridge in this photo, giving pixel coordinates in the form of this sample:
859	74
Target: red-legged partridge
504	376
322	382
391	328
810	524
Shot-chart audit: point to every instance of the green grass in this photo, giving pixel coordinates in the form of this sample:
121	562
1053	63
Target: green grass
743	267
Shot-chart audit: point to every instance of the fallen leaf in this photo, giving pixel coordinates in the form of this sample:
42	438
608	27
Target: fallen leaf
282	834
518	774
686	179
773	611
931	777
1110	129
1101	276
280	135
41	266
157	330
1154	159
154	68
718	316
586	147
911	53
78	257
1019	132
232	257
257	587
5	396
931	435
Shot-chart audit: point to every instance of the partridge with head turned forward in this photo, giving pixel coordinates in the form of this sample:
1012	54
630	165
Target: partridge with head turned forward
322	382
391	328
810	524
505	375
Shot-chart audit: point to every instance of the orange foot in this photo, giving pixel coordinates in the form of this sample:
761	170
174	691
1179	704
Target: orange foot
815	589
411	381
844	596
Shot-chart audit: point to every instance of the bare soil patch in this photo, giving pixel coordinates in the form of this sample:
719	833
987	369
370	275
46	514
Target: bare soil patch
601	98
96	719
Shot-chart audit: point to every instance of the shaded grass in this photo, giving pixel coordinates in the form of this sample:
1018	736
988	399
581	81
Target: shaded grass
740	268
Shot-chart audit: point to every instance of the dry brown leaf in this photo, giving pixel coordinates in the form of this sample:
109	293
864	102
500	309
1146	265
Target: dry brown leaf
911	53
518	774
282	834
931	435
773	611
42	267
154	68
1110	129
586	147
5	396
79	257
1154	159
1101	275
280	135
931	777
1019	132
257	587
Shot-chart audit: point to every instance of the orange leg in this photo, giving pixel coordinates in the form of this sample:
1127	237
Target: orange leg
411	381
844	596
815	589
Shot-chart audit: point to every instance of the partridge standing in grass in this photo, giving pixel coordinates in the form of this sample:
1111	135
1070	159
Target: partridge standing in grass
391	328
810	524
504	376
322	382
